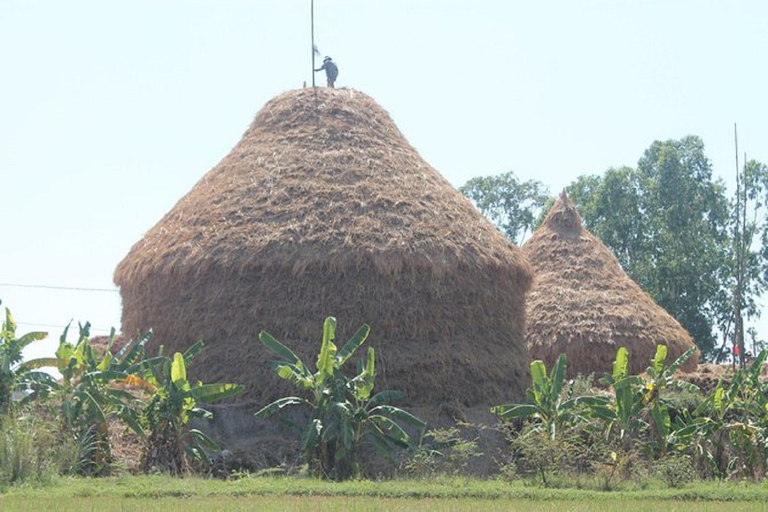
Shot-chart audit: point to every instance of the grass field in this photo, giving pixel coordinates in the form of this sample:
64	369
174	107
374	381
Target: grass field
150	493
362	504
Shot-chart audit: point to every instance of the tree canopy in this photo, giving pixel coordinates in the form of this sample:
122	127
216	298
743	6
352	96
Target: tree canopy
511	204
700	253
667	222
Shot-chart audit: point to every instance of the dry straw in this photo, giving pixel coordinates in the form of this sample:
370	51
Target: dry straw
583	304
323	208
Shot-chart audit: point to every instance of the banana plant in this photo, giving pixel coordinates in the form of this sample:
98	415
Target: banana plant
14	376
173	402
621	416
661	378
729	430
87	392
344	411
547	403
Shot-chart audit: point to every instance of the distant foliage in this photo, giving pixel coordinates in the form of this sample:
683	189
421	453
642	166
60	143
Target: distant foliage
511	204
655	216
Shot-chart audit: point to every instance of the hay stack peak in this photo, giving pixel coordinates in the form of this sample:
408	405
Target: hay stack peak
323	208
583	304
563	218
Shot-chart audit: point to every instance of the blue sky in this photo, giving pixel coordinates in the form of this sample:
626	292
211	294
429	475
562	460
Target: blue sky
110	111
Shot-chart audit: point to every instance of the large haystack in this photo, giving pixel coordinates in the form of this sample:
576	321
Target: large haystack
323	208
583	304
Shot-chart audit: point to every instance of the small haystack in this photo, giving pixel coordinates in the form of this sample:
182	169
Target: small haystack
583	304
323	208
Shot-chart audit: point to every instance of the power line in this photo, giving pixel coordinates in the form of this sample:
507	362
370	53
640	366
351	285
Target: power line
67	288
51	326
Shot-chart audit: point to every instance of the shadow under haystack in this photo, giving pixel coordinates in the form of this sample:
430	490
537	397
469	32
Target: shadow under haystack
583	304
323	208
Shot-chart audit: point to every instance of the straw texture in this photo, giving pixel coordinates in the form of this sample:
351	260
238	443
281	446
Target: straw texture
323	208
583	304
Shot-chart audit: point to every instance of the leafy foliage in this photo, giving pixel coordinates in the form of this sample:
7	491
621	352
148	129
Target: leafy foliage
656	216
660	378
621	416
547	403
172	403
344	411
746	276
24	441
728	432
13	376
512	205
87	395
442	452
676	470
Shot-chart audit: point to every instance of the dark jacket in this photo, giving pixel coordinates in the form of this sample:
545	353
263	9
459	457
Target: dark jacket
331	70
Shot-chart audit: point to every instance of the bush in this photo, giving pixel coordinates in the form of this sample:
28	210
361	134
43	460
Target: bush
676	470
446	452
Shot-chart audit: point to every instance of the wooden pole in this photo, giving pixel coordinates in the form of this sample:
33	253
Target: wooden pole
312	20
739	322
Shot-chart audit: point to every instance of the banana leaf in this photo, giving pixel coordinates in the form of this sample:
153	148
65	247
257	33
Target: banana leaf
386	396
279	348
513	411
277	405
391	430
208	393
352	345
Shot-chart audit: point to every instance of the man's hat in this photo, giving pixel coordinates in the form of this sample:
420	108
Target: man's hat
326	59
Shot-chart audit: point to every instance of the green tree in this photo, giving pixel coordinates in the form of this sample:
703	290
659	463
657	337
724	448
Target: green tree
512	205
668	224
746	275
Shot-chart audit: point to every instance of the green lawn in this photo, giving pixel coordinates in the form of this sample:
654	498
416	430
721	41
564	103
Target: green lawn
192	494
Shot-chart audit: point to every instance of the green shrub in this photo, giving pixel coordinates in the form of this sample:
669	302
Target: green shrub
443	452
675	470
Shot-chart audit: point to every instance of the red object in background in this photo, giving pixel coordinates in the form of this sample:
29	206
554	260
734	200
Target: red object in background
736	350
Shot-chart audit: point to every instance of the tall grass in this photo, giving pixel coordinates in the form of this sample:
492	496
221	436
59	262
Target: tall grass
33	448
25	449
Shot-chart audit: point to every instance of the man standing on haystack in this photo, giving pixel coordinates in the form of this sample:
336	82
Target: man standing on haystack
331	71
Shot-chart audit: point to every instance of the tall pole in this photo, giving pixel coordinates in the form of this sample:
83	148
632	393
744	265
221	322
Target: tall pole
312	16
739	331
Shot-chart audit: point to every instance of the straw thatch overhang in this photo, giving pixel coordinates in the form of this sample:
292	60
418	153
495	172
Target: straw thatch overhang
583	304
323	208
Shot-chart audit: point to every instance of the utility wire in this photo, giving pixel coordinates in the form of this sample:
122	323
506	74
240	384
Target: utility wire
69	288
51	326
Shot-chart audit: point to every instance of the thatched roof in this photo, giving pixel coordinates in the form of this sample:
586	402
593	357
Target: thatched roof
323	208
583	303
